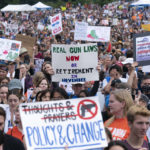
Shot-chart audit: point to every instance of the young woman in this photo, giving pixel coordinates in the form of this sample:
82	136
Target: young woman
120	102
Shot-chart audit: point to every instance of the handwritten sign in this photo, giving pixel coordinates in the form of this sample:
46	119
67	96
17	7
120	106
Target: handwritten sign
11	29
142	48
91	33
38	64
75	63
76	123
98	33
56	24
9	49
80	30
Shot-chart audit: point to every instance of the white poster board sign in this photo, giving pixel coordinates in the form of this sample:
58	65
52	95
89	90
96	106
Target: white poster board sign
9	49
40	26
56	24
91	33
75	63
38	64
76	123
80	30
98	33
11	29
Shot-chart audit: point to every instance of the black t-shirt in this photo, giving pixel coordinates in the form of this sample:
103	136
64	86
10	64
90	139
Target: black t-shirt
11	143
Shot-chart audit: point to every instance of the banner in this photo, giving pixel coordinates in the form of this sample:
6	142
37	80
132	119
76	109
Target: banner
80	30
75	63
91	33
76	123
146	27
56	24
141	43
98	33
9	49
28	42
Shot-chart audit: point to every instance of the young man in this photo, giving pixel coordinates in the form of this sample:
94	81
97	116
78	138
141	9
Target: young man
8	142
138	120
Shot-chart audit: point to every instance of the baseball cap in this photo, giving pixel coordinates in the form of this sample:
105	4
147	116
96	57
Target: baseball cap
14	84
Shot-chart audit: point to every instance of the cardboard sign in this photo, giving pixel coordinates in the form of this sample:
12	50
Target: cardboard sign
75	63
28	42
80	30
74	122
56	24
142	48
9	49
91	33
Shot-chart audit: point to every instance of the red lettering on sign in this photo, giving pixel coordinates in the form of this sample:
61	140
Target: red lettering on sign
55	19
72	58
56	30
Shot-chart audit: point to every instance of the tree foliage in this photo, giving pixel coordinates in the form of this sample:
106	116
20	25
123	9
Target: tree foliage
54	3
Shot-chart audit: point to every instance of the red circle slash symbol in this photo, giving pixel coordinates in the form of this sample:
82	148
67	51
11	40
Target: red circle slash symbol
87	109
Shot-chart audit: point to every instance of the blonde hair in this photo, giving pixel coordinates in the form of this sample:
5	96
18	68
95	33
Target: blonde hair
121	95
37	78
137	110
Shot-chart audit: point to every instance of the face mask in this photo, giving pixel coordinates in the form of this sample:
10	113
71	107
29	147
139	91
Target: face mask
1	137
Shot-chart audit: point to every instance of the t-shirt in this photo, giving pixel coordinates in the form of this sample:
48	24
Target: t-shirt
145	145
11	143
119	129
15	133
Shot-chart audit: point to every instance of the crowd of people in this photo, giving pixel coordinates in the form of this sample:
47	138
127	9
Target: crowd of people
123	86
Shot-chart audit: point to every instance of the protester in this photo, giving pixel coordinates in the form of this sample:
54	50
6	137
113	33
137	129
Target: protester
120	102
8	142
138	120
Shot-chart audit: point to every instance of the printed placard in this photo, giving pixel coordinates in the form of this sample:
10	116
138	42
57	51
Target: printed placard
9	49
38	64
75	63
76	123
56	24
142	48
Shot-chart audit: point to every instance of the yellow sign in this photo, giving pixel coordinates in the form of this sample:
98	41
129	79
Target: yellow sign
146	27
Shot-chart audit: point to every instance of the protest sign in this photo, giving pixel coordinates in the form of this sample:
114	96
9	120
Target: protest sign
80	30
11	29
141	43
146	27
9	49
91	33
115	21
38	64
56	24
28	42
40	26
25	16
146	68
76	123
98	33
75	63
105	22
